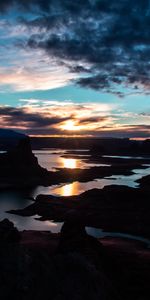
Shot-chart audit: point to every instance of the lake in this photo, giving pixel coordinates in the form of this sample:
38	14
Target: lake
51	160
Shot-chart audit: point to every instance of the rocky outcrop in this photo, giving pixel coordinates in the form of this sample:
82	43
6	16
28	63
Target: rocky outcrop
8	232
9	138
114	208
19	167
31	270
145	182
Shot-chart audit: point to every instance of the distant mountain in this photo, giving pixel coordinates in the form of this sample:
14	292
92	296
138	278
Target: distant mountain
9	138
100	146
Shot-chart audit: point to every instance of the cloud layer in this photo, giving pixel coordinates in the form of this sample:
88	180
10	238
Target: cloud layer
43	117
98	44
105	43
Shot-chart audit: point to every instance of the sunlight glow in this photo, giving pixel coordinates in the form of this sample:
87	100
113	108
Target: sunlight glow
67	190
70	163
70	125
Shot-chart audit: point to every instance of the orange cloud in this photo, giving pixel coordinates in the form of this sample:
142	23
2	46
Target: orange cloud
54	118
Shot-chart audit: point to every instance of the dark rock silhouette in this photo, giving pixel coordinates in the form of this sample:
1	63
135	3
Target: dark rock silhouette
145	182
114	208
73	234
8	232
19	167
22	154
9	138
31	270
111	146
36	267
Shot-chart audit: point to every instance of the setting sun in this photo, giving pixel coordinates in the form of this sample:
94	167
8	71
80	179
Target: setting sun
70	125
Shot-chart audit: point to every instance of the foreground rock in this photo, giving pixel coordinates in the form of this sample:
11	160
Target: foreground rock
31	270
114	208
73	265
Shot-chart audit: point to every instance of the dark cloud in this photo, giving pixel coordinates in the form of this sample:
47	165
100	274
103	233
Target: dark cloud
17	116
4	5
40	124
93	120
45	6
79	69
110	40
141	131
28	5
131	131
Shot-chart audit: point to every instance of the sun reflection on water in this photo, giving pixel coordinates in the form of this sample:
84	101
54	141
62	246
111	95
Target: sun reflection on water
67	189
70	163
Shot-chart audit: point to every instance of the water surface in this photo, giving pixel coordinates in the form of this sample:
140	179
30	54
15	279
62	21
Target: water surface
52	159
126	157
17	200
77	187
99	233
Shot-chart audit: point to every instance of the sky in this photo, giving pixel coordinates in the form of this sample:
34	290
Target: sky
75	68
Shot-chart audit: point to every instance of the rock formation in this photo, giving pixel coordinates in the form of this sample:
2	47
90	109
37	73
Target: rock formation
19	167
8	232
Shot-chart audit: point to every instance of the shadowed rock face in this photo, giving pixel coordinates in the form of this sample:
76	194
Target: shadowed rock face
19	167
73	236
22	154
72	266
9	138
145	182
31	270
